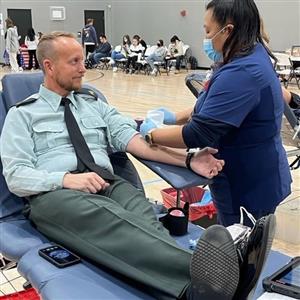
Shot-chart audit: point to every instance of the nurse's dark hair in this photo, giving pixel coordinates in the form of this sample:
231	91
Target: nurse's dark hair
244	16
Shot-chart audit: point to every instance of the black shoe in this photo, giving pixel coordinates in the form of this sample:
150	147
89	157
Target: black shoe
253	253
214	266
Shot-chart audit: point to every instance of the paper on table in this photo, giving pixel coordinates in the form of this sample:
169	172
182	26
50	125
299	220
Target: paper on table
273	296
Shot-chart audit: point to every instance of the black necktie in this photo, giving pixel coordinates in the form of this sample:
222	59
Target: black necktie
85	160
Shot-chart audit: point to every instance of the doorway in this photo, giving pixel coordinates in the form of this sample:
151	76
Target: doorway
99	22
22	19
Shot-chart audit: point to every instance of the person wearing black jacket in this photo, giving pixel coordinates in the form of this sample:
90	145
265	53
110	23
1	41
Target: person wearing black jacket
89	37
103	50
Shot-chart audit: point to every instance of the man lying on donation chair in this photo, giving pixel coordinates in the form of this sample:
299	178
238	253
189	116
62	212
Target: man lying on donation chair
53	150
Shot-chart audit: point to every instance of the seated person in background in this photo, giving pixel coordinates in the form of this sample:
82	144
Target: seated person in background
80	202
292	99
122	53
136	49
144	44
158	55
103	50
175	51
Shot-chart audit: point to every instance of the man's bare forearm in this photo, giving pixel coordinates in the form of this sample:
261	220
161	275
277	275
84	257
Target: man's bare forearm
138	147
203	162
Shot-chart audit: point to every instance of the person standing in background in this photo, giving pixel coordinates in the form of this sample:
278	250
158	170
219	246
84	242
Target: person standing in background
12	44
89	37
31	41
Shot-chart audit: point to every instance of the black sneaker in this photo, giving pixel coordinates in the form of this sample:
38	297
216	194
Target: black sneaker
214	266
253	252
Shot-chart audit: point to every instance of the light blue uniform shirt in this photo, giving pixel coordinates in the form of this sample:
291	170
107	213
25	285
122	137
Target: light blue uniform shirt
36	150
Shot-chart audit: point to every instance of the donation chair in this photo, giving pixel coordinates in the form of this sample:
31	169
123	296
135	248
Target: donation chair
20	241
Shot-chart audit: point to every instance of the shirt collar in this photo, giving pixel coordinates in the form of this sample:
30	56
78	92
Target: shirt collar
53	99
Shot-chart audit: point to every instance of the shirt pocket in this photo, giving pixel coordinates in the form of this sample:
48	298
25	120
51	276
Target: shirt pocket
94	130
46	135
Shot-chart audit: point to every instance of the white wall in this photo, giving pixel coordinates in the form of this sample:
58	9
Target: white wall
282	22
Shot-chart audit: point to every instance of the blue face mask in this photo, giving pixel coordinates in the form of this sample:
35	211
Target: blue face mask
210	51
209	48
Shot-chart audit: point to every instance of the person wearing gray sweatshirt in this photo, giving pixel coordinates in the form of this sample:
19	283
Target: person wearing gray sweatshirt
157	56
12	44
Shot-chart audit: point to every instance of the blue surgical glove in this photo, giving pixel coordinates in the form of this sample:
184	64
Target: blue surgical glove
146	126
169	116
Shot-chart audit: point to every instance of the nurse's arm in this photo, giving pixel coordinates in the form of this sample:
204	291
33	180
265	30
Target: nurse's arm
182	117
199	132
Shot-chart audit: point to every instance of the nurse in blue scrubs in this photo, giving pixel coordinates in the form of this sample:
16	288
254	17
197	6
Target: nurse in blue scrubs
239	113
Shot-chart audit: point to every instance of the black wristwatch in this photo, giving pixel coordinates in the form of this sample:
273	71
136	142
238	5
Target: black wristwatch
149	137
188	159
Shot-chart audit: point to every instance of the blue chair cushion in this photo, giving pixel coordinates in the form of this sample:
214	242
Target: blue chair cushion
18	86
28	84
9	204
80	281
18	237
83	280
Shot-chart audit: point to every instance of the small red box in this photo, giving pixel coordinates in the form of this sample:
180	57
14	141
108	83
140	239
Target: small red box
191	195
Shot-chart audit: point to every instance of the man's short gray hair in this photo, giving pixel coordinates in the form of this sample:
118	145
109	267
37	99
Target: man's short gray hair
45	46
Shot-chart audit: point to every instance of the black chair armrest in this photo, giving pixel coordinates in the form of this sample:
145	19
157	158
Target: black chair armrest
178	177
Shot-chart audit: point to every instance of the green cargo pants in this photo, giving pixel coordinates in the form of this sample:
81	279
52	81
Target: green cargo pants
116	228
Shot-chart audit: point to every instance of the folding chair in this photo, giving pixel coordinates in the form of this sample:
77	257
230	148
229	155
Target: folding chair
186	50
295	62
295	69
283	67
164	64
142	64
104	62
